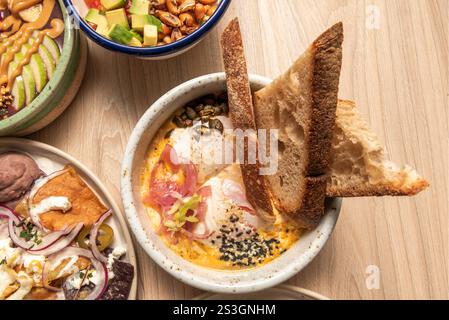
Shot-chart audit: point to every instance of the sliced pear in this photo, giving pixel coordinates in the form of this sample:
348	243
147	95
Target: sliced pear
31	14
51	46
47	58
38	68
18	89
28	79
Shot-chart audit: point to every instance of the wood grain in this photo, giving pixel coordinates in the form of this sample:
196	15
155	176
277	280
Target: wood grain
398	74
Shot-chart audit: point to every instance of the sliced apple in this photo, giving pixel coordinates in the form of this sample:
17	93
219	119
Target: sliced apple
31	14
38	68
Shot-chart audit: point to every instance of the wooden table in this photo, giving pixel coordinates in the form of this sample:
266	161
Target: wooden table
395	67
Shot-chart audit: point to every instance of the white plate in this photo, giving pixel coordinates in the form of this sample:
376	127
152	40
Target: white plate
243	281
282	292
51	159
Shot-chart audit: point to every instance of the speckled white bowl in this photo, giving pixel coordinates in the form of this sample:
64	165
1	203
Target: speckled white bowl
274	273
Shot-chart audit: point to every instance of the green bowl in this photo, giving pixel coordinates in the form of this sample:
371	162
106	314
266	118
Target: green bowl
58	92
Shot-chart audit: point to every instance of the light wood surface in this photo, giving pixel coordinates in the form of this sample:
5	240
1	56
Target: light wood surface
398	74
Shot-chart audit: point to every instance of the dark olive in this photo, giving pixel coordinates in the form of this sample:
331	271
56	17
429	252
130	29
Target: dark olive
191	114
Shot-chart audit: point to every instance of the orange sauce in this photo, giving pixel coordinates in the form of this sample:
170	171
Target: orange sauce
17	34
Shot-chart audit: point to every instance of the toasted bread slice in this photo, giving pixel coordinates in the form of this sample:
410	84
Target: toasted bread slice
242	117
302	105
359	164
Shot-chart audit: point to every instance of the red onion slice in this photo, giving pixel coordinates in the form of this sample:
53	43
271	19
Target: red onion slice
60	244
51	243
93	237
36	187
100	267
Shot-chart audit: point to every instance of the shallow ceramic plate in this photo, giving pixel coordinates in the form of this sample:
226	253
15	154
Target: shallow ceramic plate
269	275
282	292
51	159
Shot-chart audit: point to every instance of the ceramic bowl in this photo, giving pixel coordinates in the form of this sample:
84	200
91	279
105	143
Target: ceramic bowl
58	92
245	281
78	10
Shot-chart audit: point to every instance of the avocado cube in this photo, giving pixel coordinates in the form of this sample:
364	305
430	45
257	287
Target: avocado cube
91	15
120	34
139	7
138	21
137	35
112	4
117	16
135	43
95	17
150	35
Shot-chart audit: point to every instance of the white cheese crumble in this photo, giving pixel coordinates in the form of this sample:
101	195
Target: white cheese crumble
26	284
51	203
80	279
9	255
116	254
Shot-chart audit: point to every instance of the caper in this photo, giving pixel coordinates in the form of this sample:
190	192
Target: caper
191	114
216	124
179	122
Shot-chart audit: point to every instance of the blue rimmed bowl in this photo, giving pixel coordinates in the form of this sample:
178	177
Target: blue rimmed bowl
78	9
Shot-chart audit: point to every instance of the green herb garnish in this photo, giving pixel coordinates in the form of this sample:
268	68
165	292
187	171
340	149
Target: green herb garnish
180	216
